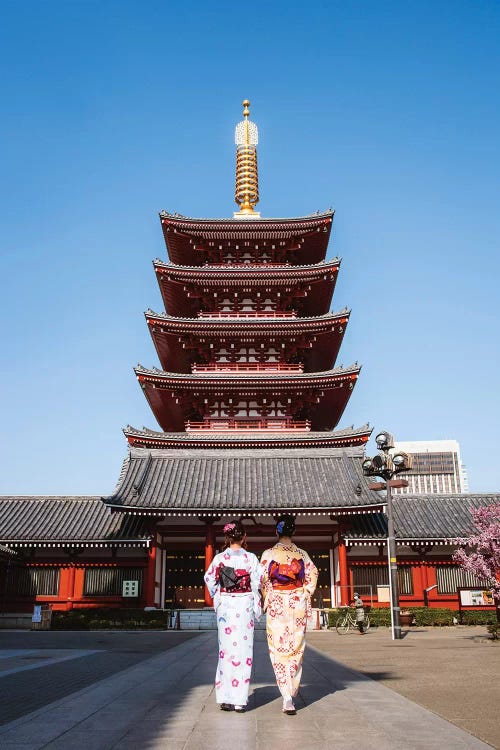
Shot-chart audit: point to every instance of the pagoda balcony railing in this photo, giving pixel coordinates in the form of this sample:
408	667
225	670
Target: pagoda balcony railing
249	314
248	367
242	264
270	424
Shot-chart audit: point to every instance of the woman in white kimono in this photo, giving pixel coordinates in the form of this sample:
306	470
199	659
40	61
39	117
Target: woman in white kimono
233	580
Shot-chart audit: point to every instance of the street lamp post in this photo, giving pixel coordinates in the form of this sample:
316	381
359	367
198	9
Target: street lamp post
386	465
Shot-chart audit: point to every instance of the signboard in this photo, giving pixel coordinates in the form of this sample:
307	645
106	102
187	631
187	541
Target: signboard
383	593
476	598
37	613
130	588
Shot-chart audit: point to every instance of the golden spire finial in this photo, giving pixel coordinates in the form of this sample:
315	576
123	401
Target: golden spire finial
246	193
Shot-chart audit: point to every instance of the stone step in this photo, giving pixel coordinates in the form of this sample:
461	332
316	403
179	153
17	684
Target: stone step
15	620
204	619
201	619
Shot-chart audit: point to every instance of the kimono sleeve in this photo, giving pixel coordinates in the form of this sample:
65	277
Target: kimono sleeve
211	578
256	572
311	575
267	586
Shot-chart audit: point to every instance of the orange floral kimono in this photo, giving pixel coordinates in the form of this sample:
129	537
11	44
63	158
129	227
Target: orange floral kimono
288	584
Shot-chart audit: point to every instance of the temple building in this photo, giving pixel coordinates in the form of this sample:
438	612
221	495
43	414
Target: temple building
248	400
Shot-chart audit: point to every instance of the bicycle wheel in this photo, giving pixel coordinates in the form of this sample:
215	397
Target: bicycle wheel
342	625
366	627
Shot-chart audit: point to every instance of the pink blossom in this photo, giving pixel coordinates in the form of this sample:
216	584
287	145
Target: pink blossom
236	663
480	552
249	661
221	654
227	630
235	682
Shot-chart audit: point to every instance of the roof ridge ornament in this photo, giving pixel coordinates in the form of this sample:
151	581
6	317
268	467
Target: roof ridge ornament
246	194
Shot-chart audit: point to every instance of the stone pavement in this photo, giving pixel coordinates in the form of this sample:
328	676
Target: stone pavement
166	701
453	671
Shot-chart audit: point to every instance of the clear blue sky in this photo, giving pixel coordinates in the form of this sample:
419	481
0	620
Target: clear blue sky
111	111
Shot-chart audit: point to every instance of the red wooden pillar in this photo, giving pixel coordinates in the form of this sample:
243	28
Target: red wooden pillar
418	581
150	583
343	572
209	555
70	594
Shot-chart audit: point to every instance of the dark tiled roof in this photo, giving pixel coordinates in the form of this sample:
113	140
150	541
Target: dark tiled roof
42	520
368	527
437	516
260	270
245	225
345	436
251	325
251	479
423	517
6	552
260	380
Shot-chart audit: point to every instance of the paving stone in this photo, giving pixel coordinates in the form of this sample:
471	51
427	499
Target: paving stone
166	701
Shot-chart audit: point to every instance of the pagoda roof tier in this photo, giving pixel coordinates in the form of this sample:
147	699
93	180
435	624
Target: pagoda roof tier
182	342
319	397
193	242
217	482
188	289
348	437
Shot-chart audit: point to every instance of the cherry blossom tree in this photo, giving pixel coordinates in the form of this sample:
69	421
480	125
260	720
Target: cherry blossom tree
480	552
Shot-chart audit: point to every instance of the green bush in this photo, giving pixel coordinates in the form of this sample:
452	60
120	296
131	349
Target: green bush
434	617
106	618
380	616
423	616
476	617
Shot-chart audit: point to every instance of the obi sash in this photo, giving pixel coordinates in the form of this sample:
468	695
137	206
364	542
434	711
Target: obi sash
286	576
233	580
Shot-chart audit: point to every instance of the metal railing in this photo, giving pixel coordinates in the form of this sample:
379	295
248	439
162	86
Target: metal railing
245	314
248	367
272	424
242	264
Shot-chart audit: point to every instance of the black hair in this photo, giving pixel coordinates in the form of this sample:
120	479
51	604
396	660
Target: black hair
234	531
285	526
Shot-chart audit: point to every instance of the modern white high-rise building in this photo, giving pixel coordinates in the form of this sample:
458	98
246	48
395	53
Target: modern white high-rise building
437	467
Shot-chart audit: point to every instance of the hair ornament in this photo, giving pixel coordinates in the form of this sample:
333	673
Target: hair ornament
229	527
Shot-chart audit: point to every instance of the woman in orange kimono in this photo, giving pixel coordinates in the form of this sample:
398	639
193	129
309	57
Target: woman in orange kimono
288	584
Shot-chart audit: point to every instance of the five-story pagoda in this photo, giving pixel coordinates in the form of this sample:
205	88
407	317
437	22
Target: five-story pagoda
249	390
248	344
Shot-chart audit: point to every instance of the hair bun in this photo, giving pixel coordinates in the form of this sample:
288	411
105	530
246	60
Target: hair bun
234	530
285	525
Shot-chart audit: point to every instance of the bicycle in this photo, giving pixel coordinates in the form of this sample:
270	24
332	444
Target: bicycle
347	620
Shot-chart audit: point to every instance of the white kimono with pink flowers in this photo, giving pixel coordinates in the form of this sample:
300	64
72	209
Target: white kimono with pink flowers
236	613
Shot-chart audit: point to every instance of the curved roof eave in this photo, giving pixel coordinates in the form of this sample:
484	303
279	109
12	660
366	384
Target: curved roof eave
181	220
256	380
228	321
